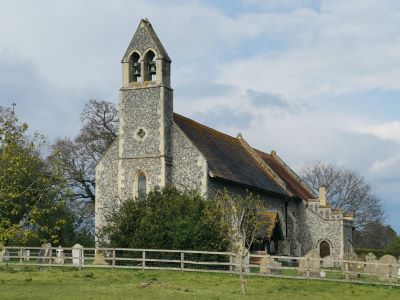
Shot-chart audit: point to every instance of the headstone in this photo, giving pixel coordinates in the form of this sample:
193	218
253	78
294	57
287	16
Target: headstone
246	262
60	256
270	266
77	255
99	258
26	254
372	264
45	254
370	257
310	264
352	265
6	255
2	251
297	249
387	268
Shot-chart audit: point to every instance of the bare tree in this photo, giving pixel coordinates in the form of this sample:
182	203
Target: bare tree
346	189
244	220
80	155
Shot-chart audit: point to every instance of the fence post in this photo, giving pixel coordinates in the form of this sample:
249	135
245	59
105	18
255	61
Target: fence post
20	255
390	274
346	269
82	261
144	260
308	268
182	261
230	263
113	258
51	256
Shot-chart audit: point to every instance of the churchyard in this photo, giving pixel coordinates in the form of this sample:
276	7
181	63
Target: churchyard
70	283
120	273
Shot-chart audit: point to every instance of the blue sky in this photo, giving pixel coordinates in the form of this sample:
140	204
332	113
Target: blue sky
313	80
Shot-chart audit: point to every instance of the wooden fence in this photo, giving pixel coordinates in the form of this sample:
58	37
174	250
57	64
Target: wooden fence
204	261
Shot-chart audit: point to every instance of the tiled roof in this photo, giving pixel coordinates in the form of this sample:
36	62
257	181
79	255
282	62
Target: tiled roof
287	175
228	159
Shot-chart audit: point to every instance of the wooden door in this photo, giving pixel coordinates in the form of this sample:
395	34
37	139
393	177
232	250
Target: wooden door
324	249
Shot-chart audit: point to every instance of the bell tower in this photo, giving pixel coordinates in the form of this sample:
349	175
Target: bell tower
146	115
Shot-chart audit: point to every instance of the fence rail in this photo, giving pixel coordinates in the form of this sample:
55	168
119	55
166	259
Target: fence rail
205	261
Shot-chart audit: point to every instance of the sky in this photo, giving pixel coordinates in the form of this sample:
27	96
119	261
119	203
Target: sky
311	79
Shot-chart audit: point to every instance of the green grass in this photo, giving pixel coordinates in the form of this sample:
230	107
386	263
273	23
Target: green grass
68	283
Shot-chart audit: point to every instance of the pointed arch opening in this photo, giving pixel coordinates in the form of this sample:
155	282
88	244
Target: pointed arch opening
140	186
150	66
135	70
324	249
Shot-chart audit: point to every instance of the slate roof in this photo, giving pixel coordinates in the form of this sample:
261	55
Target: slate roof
228	159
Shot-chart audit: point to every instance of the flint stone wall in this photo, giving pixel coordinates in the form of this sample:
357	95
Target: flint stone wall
106	182
313	228
189	168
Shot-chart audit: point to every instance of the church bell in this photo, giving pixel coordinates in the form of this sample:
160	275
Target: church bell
136	67
152	69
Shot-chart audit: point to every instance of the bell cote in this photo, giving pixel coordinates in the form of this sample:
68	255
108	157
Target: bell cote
145	62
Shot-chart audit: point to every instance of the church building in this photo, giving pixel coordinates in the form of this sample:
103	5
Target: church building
157	147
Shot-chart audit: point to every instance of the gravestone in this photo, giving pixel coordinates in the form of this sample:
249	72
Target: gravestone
246	262
60	256
311	262
2	251
270	266
387	270
45	254
26	254
353	265
100	258
370	257
77	255
297	249
371	267
6	256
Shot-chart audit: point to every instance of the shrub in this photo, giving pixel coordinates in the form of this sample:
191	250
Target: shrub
166	219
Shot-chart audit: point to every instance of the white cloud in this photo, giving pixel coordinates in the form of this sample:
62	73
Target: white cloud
345	48
385	131
387	167
297	60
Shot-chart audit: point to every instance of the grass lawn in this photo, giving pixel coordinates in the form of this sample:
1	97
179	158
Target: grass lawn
66	283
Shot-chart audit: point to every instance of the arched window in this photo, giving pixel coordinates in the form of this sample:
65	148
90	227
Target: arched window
150	67
141	186
324	249
135	72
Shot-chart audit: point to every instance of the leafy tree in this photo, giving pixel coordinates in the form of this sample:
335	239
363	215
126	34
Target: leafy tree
243	217
347	190
30	186
166	219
